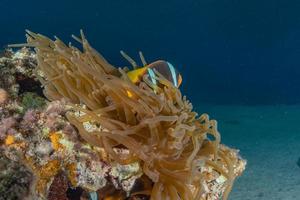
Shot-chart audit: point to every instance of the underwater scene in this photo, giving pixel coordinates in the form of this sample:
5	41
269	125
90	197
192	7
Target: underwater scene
150	100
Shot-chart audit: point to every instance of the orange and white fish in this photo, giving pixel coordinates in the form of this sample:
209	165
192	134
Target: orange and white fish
163	67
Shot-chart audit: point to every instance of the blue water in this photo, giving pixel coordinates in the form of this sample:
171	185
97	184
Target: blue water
237	52
229	51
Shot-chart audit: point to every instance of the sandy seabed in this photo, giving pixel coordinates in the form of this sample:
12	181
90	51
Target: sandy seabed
269	139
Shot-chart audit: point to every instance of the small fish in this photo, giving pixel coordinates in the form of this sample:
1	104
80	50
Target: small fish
163	67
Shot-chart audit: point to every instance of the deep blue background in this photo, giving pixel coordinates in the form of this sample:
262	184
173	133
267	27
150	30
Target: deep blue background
229	51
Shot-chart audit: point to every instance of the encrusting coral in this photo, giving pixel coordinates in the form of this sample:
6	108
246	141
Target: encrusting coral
143	133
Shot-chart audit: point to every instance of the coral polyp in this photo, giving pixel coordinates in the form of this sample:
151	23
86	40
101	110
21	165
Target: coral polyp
137	133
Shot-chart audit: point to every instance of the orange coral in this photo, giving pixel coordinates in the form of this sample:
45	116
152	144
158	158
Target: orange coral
9	140
55	140
72	173
45	173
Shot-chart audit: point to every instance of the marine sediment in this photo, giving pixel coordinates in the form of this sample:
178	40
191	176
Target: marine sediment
99	136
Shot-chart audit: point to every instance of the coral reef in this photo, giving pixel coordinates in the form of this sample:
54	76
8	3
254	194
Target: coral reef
37	141
50	148
102	136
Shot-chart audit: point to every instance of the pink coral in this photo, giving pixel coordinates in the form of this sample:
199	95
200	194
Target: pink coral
52	121
30	116
5	125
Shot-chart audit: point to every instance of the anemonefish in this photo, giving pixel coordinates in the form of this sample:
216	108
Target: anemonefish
163	67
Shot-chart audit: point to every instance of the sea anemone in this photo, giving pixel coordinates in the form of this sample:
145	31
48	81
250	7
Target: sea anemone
155	124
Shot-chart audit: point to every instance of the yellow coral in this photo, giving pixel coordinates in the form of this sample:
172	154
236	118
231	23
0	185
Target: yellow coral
9	140
45	173
72	174
55	140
